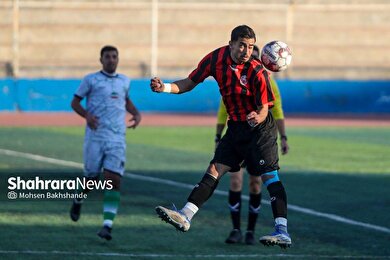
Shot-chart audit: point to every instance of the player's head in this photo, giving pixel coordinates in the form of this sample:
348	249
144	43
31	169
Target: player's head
241	43
256	52
109	58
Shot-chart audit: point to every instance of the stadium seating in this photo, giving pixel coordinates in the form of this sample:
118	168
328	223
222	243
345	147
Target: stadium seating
329	39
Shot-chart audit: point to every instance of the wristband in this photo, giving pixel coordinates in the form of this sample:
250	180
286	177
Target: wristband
167	88
217	138
283	137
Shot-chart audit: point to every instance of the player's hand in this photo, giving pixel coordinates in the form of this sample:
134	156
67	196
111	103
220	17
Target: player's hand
253	119
157	85
284	146
92	121
134	121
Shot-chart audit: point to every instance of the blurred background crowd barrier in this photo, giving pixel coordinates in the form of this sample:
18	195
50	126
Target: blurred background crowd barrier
299	97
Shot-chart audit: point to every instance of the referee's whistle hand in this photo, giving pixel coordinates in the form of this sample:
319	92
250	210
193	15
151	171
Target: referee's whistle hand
156	84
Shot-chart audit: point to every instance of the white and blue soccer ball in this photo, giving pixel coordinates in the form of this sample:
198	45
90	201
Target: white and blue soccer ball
276	56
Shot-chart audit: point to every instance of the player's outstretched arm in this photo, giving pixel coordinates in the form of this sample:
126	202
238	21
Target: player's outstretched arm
176	87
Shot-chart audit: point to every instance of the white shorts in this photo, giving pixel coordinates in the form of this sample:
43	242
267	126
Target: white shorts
100	155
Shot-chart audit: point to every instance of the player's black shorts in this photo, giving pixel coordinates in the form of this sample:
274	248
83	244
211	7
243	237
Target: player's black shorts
257	146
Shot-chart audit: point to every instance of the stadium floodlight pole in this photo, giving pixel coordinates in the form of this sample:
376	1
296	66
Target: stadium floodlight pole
15	39
154	44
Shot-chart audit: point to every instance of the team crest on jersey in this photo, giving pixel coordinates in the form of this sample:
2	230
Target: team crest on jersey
243	80
114	95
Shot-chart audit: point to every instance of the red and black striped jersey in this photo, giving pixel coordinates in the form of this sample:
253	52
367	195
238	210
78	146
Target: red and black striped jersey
244	87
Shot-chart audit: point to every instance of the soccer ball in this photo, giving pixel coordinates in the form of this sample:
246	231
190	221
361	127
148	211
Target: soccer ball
276	56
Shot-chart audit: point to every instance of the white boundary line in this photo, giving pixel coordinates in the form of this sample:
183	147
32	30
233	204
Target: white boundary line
188	186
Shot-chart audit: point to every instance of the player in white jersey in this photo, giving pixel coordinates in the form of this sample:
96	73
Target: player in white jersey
104	143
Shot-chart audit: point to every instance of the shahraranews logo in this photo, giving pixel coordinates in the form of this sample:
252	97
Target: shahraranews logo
38	188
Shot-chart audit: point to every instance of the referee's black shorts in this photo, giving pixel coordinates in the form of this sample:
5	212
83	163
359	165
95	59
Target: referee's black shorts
257	146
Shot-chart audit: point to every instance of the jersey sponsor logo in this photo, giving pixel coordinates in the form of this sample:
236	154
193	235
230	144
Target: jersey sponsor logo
243	80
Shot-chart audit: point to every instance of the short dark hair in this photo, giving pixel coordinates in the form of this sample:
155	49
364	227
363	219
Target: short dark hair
256	48
108	48
242	31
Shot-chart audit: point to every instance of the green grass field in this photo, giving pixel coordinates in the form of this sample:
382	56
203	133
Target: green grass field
339	171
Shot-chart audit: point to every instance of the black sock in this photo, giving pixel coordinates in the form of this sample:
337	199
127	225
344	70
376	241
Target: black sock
254	208
203	190
278	199
235	208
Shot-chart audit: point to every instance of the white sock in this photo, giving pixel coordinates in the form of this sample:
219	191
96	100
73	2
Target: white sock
282	222
108	223
190	210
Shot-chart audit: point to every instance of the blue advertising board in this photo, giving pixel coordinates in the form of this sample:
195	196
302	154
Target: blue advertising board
299	96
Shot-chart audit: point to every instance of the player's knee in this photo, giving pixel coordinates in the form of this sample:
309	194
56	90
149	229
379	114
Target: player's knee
88	179
255	184
113	178
235	182
217	170
116	185
212	170
270	177
275	187
235	186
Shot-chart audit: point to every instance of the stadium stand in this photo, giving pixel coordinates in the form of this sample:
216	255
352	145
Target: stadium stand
343	39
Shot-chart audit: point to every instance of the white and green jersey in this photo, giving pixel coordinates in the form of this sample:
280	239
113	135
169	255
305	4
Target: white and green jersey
106	99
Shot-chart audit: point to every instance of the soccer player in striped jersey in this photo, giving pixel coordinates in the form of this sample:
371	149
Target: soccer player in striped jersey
107	94
251	134
255	183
